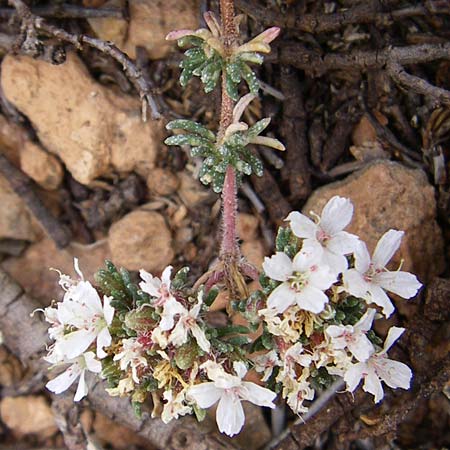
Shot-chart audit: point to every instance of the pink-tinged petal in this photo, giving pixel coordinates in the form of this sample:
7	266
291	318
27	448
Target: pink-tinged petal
404	284
108	310
205	394
336	215
278	267
103	340
380	298
386	247
362	258
355	284
281	298
74	344
302	226
343	243
365	323
394	373
230	415
257	394
178	34
200	337
309	255
361	348
321	278
372	384
311	299
335	331
82	388
92	364
63	381
354	374
170	309
393	335
336	263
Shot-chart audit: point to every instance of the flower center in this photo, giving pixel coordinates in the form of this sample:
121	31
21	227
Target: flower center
298	280
322	236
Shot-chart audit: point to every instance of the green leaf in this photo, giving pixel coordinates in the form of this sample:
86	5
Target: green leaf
190	40
200	413
211	296
187	139
137	408
186	355
232	329
233	70
256	165
258	127
244	167
250	78
232	88
267	341
185	76
193	127
180	278
239	341
251	57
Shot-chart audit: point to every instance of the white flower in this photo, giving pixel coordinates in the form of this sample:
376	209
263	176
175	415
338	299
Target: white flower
354	337
292	356
378	367
298	393
277	326
160	289
266	363
187	322
83	313
131	355
229	391
304	281
175	406
327	233
78	368
370	278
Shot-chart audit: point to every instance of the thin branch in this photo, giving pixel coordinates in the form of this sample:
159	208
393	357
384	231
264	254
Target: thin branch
133	73
67	11
23	187
417	85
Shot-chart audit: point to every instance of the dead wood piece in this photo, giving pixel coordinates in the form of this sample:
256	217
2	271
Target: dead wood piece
296	170
364	13
418	85
67	11
26	337
31	24
23	187
316	64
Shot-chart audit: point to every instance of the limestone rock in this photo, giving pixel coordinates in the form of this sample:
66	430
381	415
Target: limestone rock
15	220
254	252
28	415
12	138
11	371
90	127
42	283
247	226
162	182
191	191
41	166
388	195
152	20
141	240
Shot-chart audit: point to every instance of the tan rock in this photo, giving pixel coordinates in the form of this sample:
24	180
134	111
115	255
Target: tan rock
11	371
247	226
12	138
90	127
141	240
42	283
15	220
28	415
191	191
151	20
254	252
162	182
40	166
388	195
120	437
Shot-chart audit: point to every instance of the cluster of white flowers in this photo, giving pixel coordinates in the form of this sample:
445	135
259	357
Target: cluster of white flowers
152	338
329	267
78	323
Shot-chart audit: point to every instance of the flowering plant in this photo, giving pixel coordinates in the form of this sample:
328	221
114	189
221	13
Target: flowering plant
313	313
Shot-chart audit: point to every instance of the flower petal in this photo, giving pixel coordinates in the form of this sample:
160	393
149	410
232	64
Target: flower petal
353	375
170	309
179	334
394	373
103	340
205	394
200	337
343	243
63	381
386	247
230	415
82	388
361	348
302	226
278	267
311	299
321	277
404	284
372	384
281	298
336	263
380	298
75	343
257	394
365	323
150	284
355	284
393	335
336	215
362	258
92	364
108	310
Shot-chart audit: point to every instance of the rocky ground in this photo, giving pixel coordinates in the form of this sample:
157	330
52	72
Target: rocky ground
81	175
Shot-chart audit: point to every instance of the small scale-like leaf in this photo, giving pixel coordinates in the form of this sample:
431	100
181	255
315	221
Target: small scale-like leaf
185	41
234	71
250	78
251	57
199	151
256	164
193	127
244	167
185	76
231	87
258	127
186	139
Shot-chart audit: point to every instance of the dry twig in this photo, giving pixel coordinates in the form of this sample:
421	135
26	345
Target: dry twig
67	11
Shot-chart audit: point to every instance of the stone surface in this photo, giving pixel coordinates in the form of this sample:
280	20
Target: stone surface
152	20
253	252
11	371
191	191
16	221
162	182
247	226
90	127
41	166
141	240
12	138
42	283
388	195
28	415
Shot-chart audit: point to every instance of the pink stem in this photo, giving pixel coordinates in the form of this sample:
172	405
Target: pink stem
229	247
